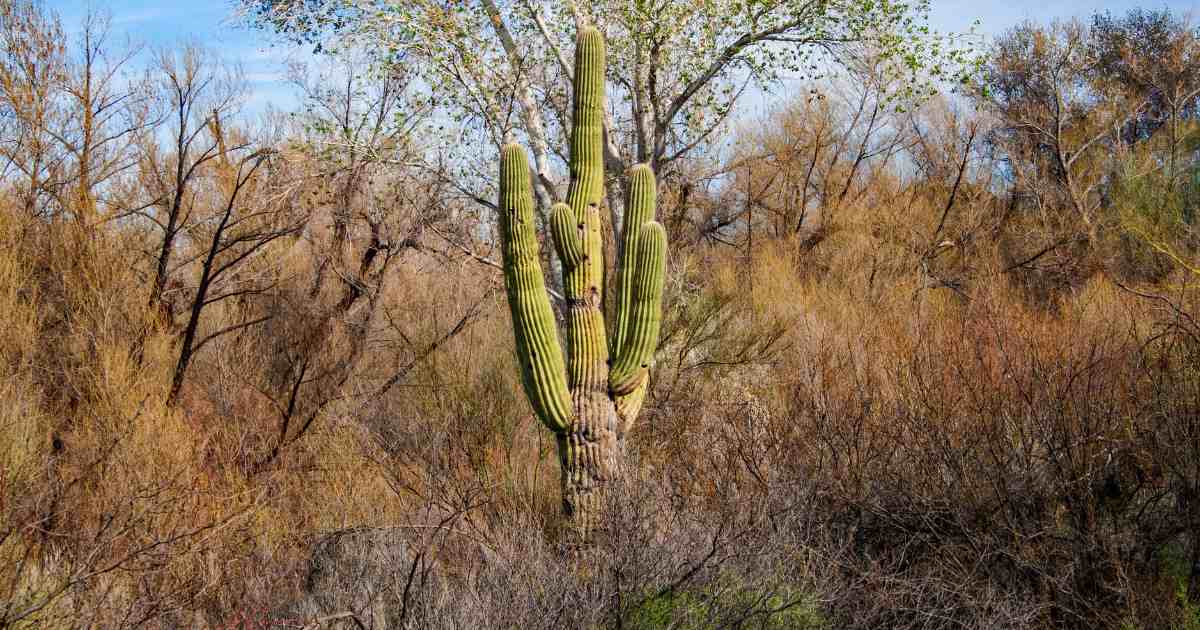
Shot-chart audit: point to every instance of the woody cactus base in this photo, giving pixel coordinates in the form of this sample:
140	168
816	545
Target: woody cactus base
589	400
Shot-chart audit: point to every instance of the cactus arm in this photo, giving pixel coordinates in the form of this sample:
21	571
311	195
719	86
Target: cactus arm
565	229
585	193
639	208
645	309
542	369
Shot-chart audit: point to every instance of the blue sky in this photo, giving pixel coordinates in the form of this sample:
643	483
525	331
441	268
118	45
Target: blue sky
155	23
997	16
166	22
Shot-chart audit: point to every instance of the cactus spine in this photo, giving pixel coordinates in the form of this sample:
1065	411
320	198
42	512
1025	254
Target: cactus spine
588	401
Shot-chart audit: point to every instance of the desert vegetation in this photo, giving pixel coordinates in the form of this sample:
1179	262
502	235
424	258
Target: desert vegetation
925	350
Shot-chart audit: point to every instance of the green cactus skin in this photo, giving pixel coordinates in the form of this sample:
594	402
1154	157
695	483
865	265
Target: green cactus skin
587	405
639	302
533	320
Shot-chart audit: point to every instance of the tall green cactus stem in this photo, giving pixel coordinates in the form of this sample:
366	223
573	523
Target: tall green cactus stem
586	404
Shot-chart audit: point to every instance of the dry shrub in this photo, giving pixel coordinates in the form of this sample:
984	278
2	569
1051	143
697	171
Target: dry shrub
1001	461
106	517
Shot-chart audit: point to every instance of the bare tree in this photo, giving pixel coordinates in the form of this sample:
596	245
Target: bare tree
108	108
827	150
1156	56
1058	127
32	65
193	91
239	234
368	206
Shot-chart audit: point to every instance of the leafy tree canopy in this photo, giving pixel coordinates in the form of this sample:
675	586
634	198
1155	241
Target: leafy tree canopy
677	67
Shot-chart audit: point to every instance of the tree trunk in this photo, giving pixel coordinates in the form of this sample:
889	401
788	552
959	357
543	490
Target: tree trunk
589	449
590	455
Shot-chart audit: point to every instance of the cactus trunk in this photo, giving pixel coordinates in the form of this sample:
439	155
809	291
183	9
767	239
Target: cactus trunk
588	408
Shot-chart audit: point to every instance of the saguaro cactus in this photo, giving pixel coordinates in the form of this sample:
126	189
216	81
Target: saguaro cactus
589	400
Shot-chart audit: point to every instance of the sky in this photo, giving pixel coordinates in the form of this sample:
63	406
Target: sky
208	22
166	23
